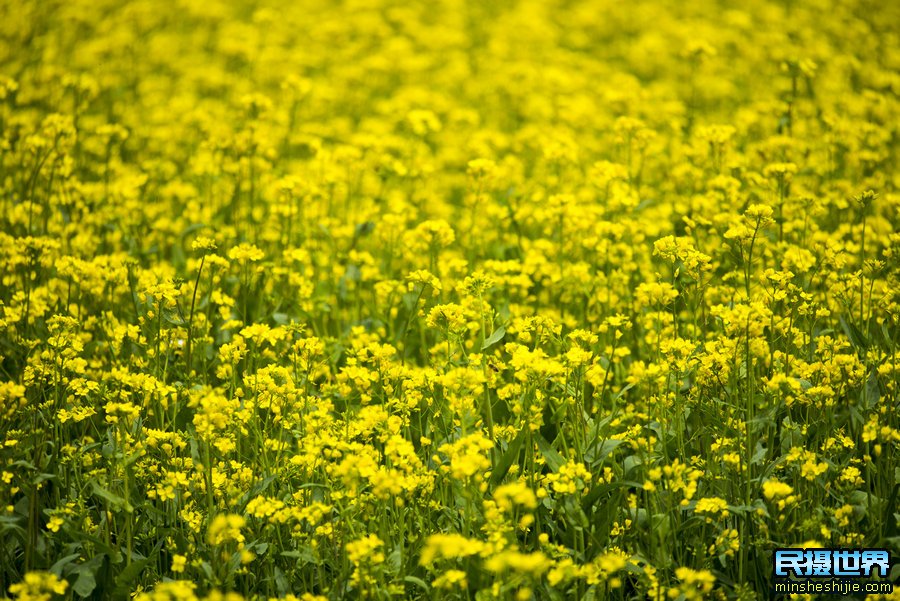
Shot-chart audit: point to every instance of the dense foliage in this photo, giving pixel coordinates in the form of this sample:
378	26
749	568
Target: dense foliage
554	299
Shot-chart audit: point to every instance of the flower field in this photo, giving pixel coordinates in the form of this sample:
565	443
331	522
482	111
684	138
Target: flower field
445	299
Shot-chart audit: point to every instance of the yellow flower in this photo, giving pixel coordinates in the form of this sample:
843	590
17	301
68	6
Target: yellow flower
448	546
430	236
774	489
366	550
54	524
515	494
712	506
468	457
203	243
178	563
38	586
450	579
727	543
174	590
481	168
533	564
246	252
695	584
225	528
448	317
655	294
571	478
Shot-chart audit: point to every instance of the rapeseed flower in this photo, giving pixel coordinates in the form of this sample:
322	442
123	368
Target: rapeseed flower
401	300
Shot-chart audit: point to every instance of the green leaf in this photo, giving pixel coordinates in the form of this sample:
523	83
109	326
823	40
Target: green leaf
353	273
553	459
625	389
281	582
43	478
113	499
494	338
57	568
85	584
512	453
87	572
870	393
127	576
891	520
207	570
606	447
661	523
417	581
303	554
132	457
395	560
10	523
857	338
364	229
114	554
630	463
759	454
598	490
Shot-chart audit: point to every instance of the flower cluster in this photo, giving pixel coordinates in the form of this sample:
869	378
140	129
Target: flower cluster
382	299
